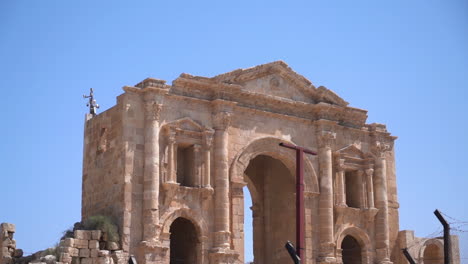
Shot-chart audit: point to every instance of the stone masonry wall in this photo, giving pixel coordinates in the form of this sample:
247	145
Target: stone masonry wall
8	251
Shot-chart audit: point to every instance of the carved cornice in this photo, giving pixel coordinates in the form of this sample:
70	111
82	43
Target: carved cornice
221	120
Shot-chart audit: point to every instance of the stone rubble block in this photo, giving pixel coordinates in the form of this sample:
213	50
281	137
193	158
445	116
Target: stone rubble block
81	243
7	227
94	253
67	242
84	253
82	234
76	260
93	244
96	234
18	253
112	246
119	257
103	253
86	261
103	260
65	257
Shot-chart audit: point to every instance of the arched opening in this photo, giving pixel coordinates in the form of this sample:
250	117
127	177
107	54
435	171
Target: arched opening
183	245
433	254
351	251
273	212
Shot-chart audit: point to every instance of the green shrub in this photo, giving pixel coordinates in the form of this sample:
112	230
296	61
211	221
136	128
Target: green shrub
96	222
103	223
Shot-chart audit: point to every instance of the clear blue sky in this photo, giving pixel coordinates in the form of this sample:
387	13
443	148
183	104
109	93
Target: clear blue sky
404	61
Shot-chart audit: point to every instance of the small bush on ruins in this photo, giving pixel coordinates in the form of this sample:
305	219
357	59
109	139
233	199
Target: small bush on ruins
96	222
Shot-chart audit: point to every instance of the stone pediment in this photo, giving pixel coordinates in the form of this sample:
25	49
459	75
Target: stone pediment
275	79
352	151
186	124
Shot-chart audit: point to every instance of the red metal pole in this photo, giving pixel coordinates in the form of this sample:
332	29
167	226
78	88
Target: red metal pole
300	210
299	204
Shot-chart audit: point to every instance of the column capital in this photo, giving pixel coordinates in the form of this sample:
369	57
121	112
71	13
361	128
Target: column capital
152	110
326	138
380	148
196	148
369	172
339	163
222	120
208	138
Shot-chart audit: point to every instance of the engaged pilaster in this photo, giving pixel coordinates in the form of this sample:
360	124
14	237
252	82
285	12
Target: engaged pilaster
381	202
327	245
151	171
340	184
221	122
208	140
370	188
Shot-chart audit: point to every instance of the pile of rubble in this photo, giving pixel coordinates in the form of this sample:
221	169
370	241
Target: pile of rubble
8	252
90	247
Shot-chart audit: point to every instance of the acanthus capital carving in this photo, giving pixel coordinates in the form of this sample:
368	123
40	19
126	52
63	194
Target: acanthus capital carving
222	120
152	110
326	138
369	172
208	138
381	148
340	164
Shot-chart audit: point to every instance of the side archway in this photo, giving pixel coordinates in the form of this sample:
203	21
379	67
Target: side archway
432	252
184	233
353	246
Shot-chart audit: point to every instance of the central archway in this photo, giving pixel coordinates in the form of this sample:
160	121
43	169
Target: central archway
247	169
351	251
272	191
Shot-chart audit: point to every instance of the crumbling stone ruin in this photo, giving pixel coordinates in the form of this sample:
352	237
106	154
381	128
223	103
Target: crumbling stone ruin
8	252
170	163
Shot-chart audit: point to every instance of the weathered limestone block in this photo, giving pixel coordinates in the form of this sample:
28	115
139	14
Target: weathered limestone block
76	260
112	246
7	227
93	244
120	257
67	242
18	253
65	258
84	253
93	253
103	260
81	243
103	253
82	234
86	261
96	234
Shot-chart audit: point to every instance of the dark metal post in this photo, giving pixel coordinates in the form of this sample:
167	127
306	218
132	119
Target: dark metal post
408	256
447	242
292	252
300	211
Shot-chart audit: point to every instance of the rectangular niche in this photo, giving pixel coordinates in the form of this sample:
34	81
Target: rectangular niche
185	165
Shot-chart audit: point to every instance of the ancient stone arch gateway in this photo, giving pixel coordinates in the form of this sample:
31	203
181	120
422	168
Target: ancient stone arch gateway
169	162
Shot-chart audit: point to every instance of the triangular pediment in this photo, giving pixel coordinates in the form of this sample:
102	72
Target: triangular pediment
186	124
274	79
278	79
351	151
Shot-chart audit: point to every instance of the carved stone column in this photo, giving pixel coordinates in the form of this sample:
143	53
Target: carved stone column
151	172
171	158
327	245
381	202
370	188
340	184
222	235
197	168
362	188
208	139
